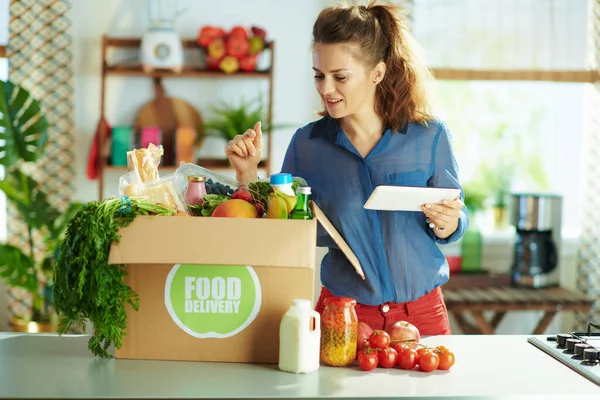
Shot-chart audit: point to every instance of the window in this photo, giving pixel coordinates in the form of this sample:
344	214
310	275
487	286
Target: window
529	132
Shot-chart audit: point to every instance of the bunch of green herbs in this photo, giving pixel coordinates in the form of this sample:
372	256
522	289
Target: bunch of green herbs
86	286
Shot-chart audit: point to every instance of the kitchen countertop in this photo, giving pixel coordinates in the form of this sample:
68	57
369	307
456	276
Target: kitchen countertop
487	367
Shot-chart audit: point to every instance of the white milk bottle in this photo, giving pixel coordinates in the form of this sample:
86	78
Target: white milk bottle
300	338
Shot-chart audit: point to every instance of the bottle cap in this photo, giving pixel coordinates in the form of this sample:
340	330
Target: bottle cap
304	189
280	179
196	178
340	301
304	303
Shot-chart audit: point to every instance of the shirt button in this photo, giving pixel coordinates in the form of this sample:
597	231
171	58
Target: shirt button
385	308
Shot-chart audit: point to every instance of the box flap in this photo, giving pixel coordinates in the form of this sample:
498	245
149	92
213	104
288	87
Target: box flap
217	241
337	238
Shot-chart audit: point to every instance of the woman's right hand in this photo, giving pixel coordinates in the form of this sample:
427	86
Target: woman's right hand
245	152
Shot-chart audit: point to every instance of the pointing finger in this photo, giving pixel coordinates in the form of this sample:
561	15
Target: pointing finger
258	138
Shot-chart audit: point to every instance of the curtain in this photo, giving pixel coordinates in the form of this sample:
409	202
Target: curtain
39	54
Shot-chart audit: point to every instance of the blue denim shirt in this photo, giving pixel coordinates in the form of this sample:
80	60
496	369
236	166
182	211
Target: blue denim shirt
396	249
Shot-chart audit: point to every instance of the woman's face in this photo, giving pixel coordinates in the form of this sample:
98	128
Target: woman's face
345	86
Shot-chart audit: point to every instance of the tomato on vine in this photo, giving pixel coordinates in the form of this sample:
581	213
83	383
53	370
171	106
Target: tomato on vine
399	347
379	339
387	357
408	358
446	357
428	360
368	359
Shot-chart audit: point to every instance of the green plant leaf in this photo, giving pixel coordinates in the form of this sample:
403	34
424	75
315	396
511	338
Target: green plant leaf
233	119
23	126
30	199
17	268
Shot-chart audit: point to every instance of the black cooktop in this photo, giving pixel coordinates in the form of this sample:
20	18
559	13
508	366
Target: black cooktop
579	351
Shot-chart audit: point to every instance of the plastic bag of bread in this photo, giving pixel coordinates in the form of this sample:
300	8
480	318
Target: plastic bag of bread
130	185
145	162
167	191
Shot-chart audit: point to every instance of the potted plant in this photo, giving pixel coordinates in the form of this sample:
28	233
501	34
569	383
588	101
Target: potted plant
233	119
23	137
499	180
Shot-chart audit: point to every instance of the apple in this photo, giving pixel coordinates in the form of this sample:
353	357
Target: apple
216	48
208	33
405	332
363	331
256	45
229	65
248	63
238	32
258	31
212	63
237	46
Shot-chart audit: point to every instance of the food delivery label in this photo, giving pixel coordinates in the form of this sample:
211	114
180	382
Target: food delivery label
212	301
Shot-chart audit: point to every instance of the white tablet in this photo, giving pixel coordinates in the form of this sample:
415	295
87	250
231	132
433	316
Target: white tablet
407	198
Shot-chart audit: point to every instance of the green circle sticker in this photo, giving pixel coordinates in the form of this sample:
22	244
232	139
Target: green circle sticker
212	301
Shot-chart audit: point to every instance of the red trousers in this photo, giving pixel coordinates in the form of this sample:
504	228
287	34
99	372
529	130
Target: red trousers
428	313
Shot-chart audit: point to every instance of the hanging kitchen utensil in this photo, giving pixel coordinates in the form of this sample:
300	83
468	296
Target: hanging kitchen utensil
168	113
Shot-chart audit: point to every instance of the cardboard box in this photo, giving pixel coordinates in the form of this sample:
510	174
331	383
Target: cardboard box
215	289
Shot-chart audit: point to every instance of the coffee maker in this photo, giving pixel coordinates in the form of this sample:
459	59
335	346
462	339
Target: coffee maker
537	219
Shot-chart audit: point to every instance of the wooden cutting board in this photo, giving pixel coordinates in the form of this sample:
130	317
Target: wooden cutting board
168	113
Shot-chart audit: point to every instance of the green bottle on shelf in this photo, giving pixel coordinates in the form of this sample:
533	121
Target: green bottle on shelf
302	209
471	249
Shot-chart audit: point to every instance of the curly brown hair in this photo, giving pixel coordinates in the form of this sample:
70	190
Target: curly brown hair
380	33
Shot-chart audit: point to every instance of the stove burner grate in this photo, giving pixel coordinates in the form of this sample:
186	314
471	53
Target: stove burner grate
579	351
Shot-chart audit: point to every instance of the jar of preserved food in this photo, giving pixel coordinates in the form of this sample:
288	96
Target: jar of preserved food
196	190
338	332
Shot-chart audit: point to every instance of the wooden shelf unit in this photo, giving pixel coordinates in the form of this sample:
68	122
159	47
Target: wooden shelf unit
135	70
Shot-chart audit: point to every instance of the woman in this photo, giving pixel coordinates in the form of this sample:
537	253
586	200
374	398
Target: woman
376	130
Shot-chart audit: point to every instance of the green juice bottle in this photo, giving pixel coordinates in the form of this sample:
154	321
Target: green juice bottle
302	209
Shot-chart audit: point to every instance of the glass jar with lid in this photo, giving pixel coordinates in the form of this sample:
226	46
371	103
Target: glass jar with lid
196	190
339	326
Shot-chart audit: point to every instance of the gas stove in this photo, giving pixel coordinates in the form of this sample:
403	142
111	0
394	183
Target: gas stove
579	351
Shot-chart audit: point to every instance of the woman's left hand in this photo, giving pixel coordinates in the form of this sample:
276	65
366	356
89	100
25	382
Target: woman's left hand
444	217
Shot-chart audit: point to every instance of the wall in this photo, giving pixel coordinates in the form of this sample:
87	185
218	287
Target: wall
289	24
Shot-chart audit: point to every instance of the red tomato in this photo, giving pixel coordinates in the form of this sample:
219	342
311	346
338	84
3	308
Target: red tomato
446	359
387	357
428	361
366	349
368	361
399	347
421	350
408	358
379	339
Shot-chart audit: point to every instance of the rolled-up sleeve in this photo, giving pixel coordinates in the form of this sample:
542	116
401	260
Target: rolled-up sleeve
444	173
